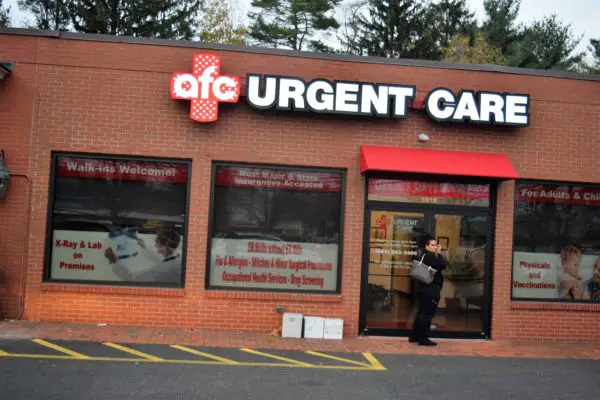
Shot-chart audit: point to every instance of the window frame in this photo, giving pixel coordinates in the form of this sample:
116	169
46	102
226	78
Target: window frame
296	168
512	256
433	178
490	211
54	155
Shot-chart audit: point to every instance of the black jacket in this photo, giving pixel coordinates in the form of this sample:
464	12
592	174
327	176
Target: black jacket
437	262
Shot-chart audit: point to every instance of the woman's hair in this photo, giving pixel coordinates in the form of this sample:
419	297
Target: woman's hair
568	251
169	237
425	240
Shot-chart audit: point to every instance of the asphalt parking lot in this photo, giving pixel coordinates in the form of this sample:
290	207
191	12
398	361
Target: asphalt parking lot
41	369
38	349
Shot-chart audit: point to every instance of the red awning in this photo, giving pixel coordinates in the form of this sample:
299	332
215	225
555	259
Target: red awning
442	162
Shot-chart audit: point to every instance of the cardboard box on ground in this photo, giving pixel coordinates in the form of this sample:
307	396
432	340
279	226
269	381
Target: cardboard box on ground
297	326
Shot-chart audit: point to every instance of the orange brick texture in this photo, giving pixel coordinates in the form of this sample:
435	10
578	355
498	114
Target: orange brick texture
112	98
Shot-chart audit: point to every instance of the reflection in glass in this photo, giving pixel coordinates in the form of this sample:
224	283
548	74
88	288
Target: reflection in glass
404	191
118	220
275	229
394	236
461	300
392	246
556	242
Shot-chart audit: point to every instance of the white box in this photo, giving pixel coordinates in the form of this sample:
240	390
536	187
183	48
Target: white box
314	327
334	328
291	326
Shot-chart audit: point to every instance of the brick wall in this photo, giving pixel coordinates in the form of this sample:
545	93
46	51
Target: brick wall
16	108
90	96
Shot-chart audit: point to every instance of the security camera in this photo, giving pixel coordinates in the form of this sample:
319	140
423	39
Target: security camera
423	137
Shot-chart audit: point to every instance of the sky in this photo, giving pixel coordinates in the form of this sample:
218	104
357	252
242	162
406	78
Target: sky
583	15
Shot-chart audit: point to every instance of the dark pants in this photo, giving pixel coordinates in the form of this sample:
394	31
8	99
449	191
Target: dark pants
428	297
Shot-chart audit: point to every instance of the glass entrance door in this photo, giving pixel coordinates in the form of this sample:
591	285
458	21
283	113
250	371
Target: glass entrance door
462	306
393	238
388	299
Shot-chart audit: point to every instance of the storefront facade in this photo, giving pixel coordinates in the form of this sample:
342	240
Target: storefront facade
159	183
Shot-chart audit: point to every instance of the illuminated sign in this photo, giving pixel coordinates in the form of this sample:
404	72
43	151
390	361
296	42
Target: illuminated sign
206	88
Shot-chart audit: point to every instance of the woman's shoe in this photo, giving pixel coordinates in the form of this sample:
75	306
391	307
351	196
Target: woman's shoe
412	339
427	342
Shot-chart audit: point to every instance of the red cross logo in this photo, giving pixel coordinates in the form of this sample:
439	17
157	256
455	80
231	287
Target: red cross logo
383	221
205	87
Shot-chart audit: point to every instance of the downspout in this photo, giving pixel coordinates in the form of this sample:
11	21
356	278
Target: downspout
23	286
23	277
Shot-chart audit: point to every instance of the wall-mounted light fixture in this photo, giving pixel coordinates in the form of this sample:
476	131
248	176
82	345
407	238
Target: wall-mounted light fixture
6	68
423	137
4	175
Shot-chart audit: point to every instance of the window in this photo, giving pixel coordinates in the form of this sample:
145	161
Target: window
556	242
275	229
403	191
117	221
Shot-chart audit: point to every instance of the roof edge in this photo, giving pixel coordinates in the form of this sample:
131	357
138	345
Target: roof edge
29	32
301	54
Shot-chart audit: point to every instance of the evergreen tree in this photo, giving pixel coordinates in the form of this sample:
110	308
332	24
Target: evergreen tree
169	19
387	28
500	25
217	25
4	20
547	44
49	14
405	28
594	49
449	18
293	24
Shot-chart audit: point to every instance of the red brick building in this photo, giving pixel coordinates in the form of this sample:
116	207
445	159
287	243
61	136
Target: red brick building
307	195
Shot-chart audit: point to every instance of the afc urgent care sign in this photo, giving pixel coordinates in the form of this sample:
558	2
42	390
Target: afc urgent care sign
205	87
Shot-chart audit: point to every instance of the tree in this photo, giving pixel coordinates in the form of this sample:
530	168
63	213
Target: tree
49	14
461	50
294	24
405	28
349	34
4	20
500	25
547	44
169	19
217	25
594	49
386	28
449	18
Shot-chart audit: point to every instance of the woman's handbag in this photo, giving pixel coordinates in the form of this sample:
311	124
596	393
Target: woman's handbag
421	272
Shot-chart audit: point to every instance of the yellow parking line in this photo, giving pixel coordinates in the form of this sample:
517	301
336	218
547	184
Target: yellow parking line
133	351
202	354
374	362
61	349
259	353
193	362
280	365
316	353
372	365
53	357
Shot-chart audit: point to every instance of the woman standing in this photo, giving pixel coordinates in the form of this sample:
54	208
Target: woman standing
428	295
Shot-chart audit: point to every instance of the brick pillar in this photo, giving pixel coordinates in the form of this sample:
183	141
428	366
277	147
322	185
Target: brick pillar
502	267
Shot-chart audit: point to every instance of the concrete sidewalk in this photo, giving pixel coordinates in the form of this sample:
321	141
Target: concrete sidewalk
227	339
